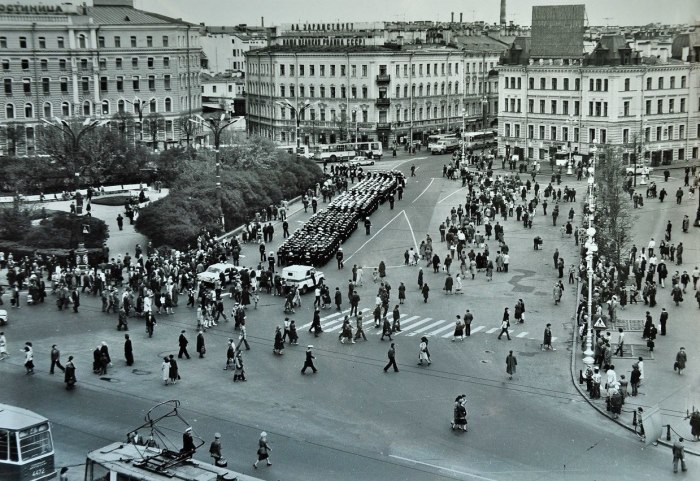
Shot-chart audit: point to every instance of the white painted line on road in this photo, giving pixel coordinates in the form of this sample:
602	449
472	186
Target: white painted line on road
437	332
408	323
492	330
424	190
419	323
450	195
426	328
522	334
477	329
375	235
441	468
410	227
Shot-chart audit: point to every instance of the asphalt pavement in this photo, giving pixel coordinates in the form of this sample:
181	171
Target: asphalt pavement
351	420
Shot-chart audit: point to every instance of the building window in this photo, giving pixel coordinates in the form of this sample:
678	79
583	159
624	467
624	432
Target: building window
65	109
149	41
28	111
83	64
681	132
151	82
627	85
671	105
118	63
591	135
531	84
364	95
626	109
166	82
554	84
649	83
166	62
117	42
120	84
554	107
5	64
332	90
553	133
364	116
591	84
9	111
166	41
135	83
103	84
105	107
682	105
683	82
87	108
3	42
543	84
659	106
134	62
27	85
605	85
541	132
101	42
291	70
168	104
566	84
150	62
133	41
577	84
25	63
64	85
120	106
364	74
661	83
603	136
46	85
23	42
542	110
48	110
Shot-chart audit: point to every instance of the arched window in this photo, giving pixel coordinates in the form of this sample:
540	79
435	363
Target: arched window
65	109
153	106
168	104
435	89
28	111
48	110
398	91
427	90
456	87
105	107
120	106
87	108
9	111
420	90
405	90
449	88
82	41
442	89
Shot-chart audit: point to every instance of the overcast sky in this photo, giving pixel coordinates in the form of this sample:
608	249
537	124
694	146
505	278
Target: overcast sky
233	12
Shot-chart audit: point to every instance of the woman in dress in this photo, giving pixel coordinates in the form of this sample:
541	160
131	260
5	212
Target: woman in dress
263	450
165	370
69	377
459	330
29	358
279	343
423	353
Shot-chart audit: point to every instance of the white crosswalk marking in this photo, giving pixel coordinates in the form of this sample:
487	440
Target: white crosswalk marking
522	334
492	330
427	319
408	322
336	327
425	328
477	329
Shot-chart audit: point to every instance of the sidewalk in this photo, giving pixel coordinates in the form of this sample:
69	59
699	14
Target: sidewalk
666	397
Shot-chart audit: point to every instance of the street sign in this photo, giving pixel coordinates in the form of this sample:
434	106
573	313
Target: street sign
599	324
86	228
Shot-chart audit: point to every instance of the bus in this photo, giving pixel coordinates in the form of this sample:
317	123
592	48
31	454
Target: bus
334	152
433	139
371	149
480	140
26	445
302	150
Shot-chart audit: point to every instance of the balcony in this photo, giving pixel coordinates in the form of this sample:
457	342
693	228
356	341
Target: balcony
383	102
383	78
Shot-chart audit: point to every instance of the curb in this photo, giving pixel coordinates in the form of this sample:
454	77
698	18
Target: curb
572	368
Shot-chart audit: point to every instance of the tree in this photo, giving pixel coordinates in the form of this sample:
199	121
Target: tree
14	133
187	127
154	123
613	218
123	121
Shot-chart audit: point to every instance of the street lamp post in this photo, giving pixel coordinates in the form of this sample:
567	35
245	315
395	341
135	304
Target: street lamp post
138	105
357	130
217	125
87	125
569	165
591	249
464	127
298	110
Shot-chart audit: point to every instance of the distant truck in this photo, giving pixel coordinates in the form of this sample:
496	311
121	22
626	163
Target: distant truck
445	145
304	278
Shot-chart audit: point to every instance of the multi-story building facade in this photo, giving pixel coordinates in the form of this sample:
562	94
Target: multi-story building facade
387	93
223	93
224	48
554	97
67	61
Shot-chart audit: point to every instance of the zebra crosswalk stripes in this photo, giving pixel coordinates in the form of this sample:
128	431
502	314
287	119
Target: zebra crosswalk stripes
411	325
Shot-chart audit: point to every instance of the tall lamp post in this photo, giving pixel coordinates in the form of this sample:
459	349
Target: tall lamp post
298	110
569	128
75	135
464	128
357	130
591	249
217	125
138	105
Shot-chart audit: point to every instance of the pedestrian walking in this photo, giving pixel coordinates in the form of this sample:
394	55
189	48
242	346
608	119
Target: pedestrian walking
425	291
423	352
56	360
173	372
238	370
263	450
182	341
679	455
459	330
635	379
663	319
391	354
620	342
165	370
128	351
505	324
69	374
215	452
547	341
3	347
359	331
309	362
511	363
201	348
468	318
386	329
243	339
681	359
278	347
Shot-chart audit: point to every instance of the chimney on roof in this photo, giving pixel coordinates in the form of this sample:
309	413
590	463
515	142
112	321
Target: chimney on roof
460	17
262	21
503	12
452	19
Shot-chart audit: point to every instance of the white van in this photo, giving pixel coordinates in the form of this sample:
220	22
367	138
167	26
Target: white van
304	277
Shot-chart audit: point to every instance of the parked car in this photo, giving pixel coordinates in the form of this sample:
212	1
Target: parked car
304	277
211	275
360	160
